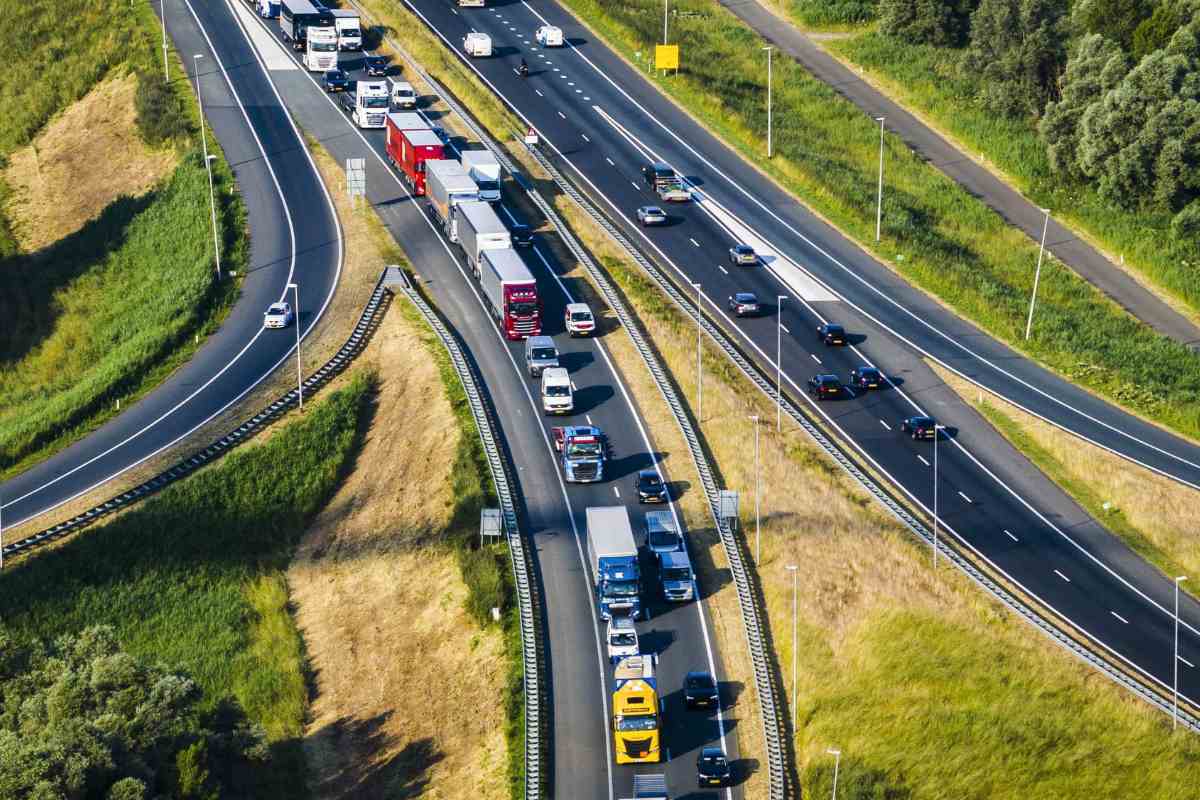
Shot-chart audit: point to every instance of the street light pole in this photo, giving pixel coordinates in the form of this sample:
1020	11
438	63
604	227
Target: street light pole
837	762
299	381
1175	665
212	205
1037	274
757	495
1	534
699	367
879	201
937	434
770	151
778	368
665	21
792	568
166	68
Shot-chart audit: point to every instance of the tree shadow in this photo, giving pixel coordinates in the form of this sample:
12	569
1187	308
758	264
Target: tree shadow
356	747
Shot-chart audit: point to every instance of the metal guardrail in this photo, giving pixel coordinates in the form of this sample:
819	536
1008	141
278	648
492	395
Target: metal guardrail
531	641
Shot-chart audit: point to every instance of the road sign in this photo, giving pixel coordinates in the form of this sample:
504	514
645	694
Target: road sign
666	56
531	136
729	504
356	177
490	523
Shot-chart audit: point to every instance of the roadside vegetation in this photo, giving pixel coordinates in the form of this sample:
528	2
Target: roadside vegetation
194	580
934	233
106	264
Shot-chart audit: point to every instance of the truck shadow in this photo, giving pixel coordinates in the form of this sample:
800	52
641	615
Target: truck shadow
626	466
589	398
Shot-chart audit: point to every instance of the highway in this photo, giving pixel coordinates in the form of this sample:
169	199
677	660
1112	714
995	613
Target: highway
553	513
604	121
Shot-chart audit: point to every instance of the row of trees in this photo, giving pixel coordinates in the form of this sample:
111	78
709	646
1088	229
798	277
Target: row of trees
1112	85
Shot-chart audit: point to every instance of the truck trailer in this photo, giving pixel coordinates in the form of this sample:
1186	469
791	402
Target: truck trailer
409	148
367	103
295	18
512	293
480	229
613	557
447	185
349	28
484	169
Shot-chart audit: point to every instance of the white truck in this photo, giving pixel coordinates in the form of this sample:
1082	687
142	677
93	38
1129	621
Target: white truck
484	169
367	103
349	28
477	45
557	396
549	36
479	229
447	184
321	49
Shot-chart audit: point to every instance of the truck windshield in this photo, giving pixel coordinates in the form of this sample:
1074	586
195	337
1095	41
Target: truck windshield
523	309
584	450
488	186
621	588
623	640
321	47
642	722
676	574
375	102
581	316
544	353
350	33
558	391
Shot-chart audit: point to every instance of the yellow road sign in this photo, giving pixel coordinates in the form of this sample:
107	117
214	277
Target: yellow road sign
666	56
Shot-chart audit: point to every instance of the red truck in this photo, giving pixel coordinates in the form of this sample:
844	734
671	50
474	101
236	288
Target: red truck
409	147
511	291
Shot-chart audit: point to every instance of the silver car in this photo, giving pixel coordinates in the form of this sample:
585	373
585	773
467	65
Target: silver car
651	215
743	255
278	315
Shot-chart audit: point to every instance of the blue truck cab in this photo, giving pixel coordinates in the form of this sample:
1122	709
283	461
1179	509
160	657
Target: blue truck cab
613	559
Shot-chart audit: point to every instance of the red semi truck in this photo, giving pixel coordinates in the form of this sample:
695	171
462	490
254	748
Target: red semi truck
512	293
410	146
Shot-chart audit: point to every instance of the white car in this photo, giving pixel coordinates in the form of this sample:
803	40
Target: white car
651	215
579	320
622	639
478	44
278	315
549	36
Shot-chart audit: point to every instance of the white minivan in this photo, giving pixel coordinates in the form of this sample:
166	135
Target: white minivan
556	391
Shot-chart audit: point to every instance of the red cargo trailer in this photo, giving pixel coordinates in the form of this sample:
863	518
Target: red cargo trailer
409	149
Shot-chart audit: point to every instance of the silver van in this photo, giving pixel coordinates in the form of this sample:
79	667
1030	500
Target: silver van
540	353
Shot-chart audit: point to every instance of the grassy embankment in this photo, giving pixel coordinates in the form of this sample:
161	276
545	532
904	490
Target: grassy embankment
934	233
828	15
195	577
106	253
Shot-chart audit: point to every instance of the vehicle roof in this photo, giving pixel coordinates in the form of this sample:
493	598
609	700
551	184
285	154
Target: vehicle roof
827	378
659	165
620	622
577	307
408	121
649	471
675	558
653	208
700	673
920	418
540	341
832	326
422	137
865	368
712	751
277	307
745	296
556	374
743	248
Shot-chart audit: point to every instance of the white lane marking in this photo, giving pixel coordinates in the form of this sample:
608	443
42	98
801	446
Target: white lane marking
1010	535
693	241
454	10
564	116
922	460
587	99
722	269
585	137
610	161
884	424
1184	660
785	329
579	91
588	417
1064	577
570	83
617	492
814	357
964	497
539	93
633	184
1118	616
270	51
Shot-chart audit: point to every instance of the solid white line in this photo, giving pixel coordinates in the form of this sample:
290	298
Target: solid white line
610	161
1014	538
922	460
1118	616
1064	577
964	497
884	424
588	417
814	357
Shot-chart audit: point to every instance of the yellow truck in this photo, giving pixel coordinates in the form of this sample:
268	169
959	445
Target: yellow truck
636	719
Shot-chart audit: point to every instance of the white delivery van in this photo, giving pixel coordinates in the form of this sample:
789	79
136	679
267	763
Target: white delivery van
556	391
478	44
403	95
549	36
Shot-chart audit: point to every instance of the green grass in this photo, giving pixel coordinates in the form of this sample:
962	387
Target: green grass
828	14
195	577
926	78
934	233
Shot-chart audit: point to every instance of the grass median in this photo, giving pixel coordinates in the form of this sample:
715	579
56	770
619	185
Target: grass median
934	233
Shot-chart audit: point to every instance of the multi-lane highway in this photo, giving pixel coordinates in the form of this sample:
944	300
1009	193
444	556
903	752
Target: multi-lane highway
605	121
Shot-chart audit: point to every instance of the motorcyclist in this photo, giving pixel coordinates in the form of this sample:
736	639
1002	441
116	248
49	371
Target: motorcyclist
523	70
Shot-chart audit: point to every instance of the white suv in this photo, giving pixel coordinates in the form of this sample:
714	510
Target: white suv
278	315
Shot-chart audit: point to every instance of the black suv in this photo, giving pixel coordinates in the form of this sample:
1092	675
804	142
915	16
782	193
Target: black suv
650	487
375	66
831	334
336	80
825	387
920	427
712	768
866	378
657	174
699	689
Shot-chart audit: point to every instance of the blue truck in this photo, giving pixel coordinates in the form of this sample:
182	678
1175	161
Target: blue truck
613	557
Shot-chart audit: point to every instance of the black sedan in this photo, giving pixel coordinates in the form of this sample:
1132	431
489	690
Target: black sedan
522	235
700	689
375	66
650	487
825	387
866	378
920	427
831	334
744	304
712	767
336	80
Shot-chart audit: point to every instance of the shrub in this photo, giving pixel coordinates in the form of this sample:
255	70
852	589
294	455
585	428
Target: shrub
936	22
1115	20
1155	32
839	12
1017	53
160	114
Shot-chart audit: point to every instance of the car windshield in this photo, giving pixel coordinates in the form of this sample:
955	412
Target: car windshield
488	186
405	93
276	310
543	353
374	63
654	210
623	639
649	480
350	32
581	316
660	539
676	574
376	102
558	391
700	682
833	329
523	309
746	298
712	763
584	449
621	588
336	75
744	250
645	722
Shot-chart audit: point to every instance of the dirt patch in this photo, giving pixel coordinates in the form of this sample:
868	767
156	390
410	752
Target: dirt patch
85	158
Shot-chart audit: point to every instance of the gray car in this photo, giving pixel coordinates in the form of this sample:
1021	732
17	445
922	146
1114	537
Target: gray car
651	215
743	255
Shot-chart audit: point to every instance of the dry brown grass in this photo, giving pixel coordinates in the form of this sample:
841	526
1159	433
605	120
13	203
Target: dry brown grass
82	160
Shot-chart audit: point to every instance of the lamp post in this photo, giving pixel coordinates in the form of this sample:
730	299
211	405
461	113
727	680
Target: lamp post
792	568
937	434
299	381
770	151
1037	274
778	368
757	495
1175	664
207	163
699	367
837	762
1	534
166	68
879	200
665	21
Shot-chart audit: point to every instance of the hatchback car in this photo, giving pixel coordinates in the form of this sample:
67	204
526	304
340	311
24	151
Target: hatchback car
866	378
278	315
521	235
831	334
336	80
742	255
650	487
919	427
700	689
712	767
825	387
375	66
744	304
651	215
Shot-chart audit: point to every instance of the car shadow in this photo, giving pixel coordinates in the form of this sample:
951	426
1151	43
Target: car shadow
589	398
576	359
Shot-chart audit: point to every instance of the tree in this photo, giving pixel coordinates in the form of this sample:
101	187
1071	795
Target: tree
936	22
1096	66
1016	54
1155	32
1115	20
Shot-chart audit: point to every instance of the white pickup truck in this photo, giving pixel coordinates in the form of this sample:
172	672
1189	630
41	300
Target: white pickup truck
477	45
549	36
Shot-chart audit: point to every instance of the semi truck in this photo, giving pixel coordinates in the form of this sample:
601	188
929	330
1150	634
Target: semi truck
484	169
321	49
267	9
636	712
479	229
581	451
367	103
613	558
409	148
512	293
349	28
448	184
295	18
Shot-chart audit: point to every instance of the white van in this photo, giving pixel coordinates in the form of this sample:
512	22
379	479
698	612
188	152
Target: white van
403	95
556	391
478	44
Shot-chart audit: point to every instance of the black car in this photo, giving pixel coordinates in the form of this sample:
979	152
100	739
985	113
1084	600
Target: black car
657	173
712	767
699	689
650	487
919	427
375	66
866	378
522	235
825	387
336	80
831	334
744	304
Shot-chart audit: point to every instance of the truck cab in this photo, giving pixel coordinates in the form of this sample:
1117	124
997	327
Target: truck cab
367	103
582	451
658	174
484	169
477	44
557	396
349	29
540	353
676	577
636	712
321	49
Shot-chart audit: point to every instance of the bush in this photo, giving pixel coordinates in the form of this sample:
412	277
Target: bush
1185	226
1115	20
936	22
160	114
1016	53
838	12
1156	32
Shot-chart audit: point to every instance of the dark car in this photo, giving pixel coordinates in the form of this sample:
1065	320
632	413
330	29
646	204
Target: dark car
650	487
712	767
336	80
657	173
825	387
831	334
744	304
919	427
375	66
522	235
866	378
700	689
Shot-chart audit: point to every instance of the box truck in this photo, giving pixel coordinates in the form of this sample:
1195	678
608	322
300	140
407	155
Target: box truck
484	169
512	293
479	229
613	559
447	184
409	148
349	28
